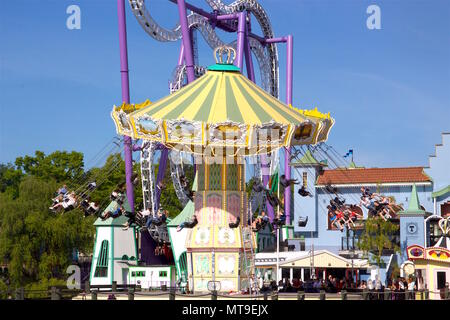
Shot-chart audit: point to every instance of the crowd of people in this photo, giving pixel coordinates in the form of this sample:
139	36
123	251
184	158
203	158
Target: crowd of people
163	249
400	288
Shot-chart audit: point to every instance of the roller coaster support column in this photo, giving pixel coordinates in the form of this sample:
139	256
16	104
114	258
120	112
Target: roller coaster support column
287	155
181	56
240	39
187	44
125	97
248	54
241	35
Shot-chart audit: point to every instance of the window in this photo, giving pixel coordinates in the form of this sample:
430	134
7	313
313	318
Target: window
138	274
435	232
162	274
302	245
305	179
445	209
440	279
101	269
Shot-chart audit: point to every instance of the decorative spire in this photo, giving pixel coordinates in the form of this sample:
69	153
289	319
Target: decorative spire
414	204
308	158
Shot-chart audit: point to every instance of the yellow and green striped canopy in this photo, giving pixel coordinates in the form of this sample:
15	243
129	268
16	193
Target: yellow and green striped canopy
219	102
220	96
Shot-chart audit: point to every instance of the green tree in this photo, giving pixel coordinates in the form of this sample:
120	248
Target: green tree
378	236
38	245
3	290
10	178
35	243
61	166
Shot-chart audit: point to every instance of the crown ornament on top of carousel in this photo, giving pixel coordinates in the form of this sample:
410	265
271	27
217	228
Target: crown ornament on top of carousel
222	109
230	53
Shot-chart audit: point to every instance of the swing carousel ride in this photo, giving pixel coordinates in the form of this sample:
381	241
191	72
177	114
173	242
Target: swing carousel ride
224	120
227	128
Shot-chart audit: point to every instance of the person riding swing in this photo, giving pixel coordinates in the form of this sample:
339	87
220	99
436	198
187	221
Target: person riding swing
188	224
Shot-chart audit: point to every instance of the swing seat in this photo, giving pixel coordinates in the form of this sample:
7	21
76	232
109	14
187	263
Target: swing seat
302	221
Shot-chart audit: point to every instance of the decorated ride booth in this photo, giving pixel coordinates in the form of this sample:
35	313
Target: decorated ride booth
431	265
221	118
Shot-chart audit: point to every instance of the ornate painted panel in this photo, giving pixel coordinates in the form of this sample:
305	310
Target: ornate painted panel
201	177
227	264
214	214
215	177
202	237
202	264
228	284
198	205
232	177
226	237
201	284
233	206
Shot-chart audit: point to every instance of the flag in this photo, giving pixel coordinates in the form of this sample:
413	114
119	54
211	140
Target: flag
273	182
350	152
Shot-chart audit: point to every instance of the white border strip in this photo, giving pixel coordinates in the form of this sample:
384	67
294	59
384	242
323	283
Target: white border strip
376	184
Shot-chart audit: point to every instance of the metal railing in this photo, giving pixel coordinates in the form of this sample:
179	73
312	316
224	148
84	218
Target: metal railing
131	292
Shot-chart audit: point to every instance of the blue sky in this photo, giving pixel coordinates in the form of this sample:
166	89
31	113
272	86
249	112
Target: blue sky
388	89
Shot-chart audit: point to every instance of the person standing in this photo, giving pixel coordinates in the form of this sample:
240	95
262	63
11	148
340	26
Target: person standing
260	284
370	287
401	289
411	288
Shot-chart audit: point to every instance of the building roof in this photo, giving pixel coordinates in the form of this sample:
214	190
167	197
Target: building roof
185	215
111	222
119	221
340	176
188	211
322	259
441	192
307	159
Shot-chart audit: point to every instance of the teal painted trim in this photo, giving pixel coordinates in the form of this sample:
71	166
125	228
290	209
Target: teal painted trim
135	244
176	260
441	192
286	230
112	255
93	258
223	67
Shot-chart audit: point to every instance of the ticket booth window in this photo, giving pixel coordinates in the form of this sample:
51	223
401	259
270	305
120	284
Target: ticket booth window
440	279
